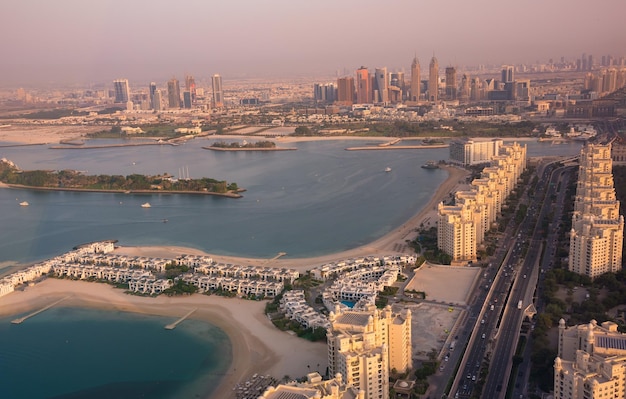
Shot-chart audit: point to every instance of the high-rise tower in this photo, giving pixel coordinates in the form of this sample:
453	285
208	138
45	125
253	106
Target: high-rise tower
508	73
218	93
415	80
190	86
382	85
433	80
153	89
451	83
173	93
363	88
122	91
345	90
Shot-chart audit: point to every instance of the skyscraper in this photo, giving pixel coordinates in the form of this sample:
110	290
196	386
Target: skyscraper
451	83
433	80
190	86
363	88
345	90
508	74
173	93
218	93
415	80
122	91
153	89
381	88
157	100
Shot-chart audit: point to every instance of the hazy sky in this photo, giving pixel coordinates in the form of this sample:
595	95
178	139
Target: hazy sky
99	40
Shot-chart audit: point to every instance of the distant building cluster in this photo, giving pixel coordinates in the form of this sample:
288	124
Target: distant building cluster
387	88
597	234
461	227
591	362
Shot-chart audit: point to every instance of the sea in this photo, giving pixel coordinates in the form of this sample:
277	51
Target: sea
314	201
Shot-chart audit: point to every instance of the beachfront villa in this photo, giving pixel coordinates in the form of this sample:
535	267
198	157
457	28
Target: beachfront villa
94	261
461	227
331	270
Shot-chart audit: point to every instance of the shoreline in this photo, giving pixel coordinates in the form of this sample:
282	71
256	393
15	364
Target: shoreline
258	347
128	192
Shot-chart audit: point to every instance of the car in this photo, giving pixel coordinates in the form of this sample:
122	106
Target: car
446	358
469	376
473	378
441	367
482	321
483	337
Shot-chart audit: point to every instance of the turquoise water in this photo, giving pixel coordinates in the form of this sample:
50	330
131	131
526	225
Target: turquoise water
68	353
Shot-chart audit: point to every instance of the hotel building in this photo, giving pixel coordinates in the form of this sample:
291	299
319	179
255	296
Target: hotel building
597	234
364	345
122	91
314	388
461	227
474	151
591	362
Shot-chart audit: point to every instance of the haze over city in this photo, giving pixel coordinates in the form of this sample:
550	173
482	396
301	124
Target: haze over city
72	41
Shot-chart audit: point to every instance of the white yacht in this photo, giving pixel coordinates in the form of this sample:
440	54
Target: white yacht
146	205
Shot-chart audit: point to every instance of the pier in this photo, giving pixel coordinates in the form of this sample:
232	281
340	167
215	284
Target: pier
177	322
21	319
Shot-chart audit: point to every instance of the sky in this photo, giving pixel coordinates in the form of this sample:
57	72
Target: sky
78	41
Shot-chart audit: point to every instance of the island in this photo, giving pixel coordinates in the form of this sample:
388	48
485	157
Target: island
245	146
71	180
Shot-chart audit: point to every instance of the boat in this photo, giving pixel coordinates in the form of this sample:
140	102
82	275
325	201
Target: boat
387	169
430	165
146	205
24	203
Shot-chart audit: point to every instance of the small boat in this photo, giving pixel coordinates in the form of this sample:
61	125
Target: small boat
146	205
24	203
387	169
430	165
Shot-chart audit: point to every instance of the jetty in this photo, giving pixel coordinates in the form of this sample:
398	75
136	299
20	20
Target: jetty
35	313
177	322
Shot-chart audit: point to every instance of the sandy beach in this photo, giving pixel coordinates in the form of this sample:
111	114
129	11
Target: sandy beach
258	347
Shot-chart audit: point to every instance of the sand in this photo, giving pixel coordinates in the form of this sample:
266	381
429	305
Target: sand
258	347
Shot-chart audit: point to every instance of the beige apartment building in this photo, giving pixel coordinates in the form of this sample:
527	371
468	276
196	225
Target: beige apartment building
364	345
461	227
597	234
591	362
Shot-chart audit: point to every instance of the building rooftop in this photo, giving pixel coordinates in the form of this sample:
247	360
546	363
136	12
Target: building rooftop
353	318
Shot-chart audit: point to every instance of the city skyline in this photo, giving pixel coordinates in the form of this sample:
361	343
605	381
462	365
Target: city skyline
68	41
